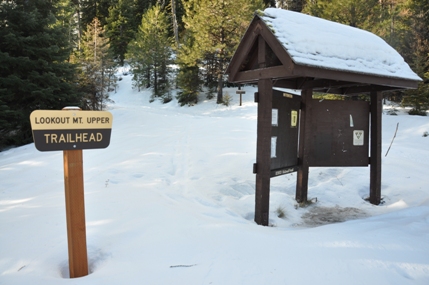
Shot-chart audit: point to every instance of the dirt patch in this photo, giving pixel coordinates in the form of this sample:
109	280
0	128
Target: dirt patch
318	216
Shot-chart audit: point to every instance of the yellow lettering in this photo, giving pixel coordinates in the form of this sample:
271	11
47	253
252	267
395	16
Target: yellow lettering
62	138
69	138
47	137
78	137
99	137
54	138
97	120
92	137
85	139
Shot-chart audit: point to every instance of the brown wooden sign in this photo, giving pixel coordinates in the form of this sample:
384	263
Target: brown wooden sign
71	130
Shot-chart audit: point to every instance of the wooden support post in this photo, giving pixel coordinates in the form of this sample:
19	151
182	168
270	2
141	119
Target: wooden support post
75	213
303	167
375	160
263	152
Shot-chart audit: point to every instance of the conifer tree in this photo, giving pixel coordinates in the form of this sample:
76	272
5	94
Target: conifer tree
96	67
149	55
188	78
34	72
217	27
66	12
363	14
120	28
418	54
293	5
91	9
270	3
141	8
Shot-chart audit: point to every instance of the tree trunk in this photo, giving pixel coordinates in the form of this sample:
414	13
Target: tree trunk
220	76
79	23
220	81
174	18
155	81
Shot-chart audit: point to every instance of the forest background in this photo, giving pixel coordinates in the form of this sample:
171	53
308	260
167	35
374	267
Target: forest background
57	53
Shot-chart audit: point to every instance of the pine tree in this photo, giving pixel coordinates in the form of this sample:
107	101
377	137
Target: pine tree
34	72
293	5
97	67
217	27
150	53
418	54
66	15
120	28
363	14
270	3
91	9
141	8
392	25
188	78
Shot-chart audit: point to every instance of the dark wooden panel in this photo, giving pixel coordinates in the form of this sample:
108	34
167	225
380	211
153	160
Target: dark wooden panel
285	131
338	133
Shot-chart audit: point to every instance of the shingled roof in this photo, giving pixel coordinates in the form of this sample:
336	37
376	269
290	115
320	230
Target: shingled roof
298	51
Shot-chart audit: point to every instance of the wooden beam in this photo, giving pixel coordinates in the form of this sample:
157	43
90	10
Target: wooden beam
291	83
317	84
331	86
341	75
367	89
375	148
303	167
263	153
250	76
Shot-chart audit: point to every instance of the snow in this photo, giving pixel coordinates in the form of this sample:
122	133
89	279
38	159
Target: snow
171	201
317	42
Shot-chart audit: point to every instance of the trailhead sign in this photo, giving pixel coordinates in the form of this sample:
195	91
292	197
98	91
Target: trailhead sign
71	129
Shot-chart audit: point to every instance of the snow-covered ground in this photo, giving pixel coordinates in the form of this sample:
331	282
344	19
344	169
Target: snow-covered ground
171	201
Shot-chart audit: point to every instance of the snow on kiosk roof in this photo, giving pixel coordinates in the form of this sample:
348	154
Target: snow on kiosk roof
304	51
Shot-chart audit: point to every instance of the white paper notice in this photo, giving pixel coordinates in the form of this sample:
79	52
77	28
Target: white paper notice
358	136
273	146
275	117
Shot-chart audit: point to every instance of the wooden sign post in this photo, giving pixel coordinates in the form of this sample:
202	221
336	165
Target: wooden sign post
75	213
241	92
71	132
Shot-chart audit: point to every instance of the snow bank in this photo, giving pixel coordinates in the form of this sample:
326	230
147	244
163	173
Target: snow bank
171	201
